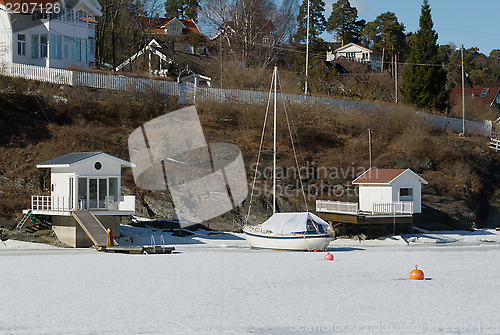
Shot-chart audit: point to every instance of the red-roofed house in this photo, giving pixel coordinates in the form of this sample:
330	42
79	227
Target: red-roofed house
48	33
386	186
487	95
177	27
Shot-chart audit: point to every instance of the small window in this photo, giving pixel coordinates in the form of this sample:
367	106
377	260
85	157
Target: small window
406	194
52	187
97	165
484	93
21	44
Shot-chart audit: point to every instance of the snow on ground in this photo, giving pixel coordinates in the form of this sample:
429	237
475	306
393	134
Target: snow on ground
214	284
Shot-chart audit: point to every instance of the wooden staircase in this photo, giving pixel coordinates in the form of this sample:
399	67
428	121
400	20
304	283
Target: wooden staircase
94	229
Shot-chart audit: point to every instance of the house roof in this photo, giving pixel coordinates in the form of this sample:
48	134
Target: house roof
357	45
383	176
73	158
486	94
189	26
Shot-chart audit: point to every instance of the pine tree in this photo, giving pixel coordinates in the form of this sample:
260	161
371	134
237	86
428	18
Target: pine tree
344	21
317	22
425	85
182	9
386	35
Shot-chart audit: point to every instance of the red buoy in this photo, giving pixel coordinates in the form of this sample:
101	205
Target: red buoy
417	274
328	257
316	250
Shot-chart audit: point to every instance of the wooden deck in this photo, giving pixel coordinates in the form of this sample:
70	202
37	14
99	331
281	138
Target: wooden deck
147	249
367	224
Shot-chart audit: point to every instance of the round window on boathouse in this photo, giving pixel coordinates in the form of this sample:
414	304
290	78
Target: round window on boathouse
97	165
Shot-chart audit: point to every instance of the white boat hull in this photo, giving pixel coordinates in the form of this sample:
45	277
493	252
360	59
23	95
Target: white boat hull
290	242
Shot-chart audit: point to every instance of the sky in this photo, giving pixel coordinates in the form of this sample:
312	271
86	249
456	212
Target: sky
471	23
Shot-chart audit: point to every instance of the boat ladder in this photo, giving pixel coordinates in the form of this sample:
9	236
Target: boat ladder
22	224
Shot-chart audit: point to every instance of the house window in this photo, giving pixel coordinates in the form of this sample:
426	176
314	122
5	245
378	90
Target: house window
21	44
55	47
69	14
406	194
175	27
69	47
91	46
78	48
35	46
43	46
39	46
84	50
81	50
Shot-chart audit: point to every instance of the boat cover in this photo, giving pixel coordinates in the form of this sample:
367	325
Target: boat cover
288	223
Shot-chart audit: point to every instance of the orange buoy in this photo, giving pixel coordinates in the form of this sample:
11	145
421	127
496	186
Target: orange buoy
316	250
417	274
328	257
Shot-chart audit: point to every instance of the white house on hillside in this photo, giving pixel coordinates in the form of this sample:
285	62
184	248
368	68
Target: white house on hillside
48	33
357	53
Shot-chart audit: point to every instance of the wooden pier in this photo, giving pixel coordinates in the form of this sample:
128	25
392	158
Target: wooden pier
347	219
147	249
369	225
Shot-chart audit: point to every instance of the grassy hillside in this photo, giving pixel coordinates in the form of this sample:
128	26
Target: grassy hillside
41	121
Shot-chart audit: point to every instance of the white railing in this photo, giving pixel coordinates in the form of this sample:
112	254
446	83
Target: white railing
62	205
188	94
337	207
494	144
352	208
41	203
396	207
90	79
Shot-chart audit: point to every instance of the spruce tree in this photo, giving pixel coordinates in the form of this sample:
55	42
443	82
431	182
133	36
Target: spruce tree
424	82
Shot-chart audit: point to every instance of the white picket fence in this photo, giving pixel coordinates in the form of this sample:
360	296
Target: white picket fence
91	79
188	94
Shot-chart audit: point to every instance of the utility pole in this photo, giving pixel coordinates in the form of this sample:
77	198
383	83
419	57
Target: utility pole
307	48
396	77
463	91
370	145
221	60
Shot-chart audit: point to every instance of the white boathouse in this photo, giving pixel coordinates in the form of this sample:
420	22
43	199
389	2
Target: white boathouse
386	196
85	197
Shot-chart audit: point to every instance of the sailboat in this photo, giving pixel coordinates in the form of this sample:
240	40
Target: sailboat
302	231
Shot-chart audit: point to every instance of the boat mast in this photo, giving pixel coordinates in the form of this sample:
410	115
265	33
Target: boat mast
274	148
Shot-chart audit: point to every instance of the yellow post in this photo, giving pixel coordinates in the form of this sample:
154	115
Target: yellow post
109	241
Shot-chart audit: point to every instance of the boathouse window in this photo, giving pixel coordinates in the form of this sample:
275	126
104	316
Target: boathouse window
97	165
406	194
